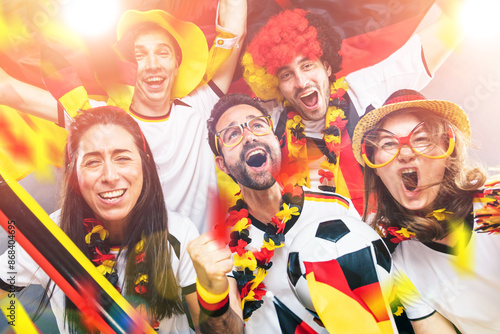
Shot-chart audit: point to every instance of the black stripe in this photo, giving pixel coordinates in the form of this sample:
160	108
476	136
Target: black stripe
59	257
189	289
216	89
422	318
176	245
9	287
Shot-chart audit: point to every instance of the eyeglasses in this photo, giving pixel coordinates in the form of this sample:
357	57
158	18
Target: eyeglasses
232	135
380	147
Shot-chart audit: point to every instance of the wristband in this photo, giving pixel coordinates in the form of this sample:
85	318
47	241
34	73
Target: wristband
209	297
210	304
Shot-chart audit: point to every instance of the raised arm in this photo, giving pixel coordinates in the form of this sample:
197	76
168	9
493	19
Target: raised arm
27	98
435	323
233	19
211	262
443	36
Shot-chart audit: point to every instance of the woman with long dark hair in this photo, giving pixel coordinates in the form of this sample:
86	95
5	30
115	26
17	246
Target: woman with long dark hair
112	208
428	199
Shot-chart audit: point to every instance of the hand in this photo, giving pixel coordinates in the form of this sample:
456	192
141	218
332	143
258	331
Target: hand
212	262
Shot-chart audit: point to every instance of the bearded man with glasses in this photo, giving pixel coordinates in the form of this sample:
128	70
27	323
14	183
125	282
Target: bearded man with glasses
264	224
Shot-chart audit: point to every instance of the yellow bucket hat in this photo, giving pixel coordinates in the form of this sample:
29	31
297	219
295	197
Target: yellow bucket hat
189	37
403	99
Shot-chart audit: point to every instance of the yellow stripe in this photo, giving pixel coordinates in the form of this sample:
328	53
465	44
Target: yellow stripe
339	312
16	315
75	100
72	248
330	200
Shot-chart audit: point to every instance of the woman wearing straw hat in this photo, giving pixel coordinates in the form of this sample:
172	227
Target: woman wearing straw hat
428	200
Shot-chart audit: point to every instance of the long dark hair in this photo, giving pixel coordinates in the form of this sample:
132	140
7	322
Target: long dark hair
459	182
148	218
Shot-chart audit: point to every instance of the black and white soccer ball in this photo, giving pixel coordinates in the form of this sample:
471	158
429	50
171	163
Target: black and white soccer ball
346	239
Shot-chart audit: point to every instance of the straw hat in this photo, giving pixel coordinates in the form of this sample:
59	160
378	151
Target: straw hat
403	99
191	40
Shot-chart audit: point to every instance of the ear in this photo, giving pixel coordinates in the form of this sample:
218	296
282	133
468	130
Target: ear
328	68
219	161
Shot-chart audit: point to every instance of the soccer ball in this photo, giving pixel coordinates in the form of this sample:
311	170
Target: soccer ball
344	248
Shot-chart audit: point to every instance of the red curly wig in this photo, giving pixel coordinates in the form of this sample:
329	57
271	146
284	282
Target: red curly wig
283	37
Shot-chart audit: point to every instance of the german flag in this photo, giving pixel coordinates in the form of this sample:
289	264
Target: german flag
345	301
65	264
290	323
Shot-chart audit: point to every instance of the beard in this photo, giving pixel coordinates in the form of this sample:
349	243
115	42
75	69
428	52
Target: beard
242	173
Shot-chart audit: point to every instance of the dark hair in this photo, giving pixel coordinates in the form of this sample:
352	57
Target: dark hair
459	182
226	102
147	219
126	44
330	41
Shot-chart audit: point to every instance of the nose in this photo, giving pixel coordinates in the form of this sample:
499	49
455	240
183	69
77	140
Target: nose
110	173
248	135
151	61
406	153
302	80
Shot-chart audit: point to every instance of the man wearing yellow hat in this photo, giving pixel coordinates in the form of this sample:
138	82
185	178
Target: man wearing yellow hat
178	81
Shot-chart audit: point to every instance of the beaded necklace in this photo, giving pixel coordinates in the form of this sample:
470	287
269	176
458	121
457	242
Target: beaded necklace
99	248
254	265
335	123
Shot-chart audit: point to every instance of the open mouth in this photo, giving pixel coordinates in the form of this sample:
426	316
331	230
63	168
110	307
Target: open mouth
154	81
257	158
410	179
112	195
310	99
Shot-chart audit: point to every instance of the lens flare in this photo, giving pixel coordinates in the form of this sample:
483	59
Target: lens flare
91	17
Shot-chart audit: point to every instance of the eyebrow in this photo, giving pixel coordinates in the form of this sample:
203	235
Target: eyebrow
159	46
98	153
249	117
302	60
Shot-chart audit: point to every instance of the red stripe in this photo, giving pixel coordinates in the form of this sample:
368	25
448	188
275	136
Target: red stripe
330	272
327	197
405	98
213	307
371	294
367	49
62	81
351	171
84	303
284	4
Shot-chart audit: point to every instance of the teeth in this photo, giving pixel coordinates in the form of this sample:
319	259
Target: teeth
154	79
407	170
306	94
112	194
260	151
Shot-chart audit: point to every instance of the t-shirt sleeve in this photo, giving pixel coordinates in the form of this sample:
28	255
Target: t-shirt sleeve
204	98
184	231
404	69
416	308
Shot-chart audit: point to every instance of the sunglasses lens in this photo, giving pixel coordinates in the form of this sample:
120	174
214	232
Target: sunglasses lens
382	146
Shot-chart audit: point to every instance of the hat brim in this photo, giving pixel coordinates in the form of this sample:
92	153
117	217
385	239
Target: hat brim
446	109
191	40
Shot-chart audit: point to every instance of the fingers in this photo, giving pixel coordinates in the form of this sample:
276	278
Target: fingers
211	261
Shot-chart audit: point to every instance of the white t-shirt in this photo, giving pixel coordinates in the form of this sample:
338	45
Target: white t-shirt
469	298
314	211
181	228
185	161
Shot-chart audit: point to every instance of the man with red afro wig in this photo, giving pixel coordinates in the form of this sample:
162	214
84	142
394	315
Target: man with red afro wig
293	61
